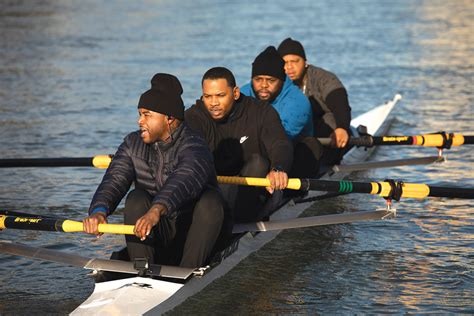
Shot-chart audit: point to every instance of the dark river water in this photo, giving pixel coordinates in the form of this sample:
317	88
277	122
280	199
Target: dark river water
71	73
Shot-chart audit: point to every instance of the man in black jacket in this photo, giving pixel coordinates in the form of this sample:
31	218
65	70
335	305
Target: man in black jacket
328	97
175	206
247	139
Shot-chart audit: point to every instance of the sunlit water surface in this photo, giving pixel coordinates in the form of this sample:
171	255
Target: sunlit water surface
70	78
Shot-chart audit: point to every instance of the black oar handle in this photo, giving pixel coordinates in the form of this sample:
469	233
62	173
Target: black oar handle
47	162
460	193
363	141
33	223
468	140
370	141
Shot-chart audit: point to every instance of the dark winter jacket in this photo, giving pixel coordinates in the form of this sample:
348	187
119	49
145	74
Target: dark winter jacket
252	127
174	173
328	99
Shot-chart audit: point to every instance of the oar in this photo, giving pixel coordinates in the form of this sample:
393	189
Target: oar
312	221
91	263
58	225
100	161
386	189
441	139
388	164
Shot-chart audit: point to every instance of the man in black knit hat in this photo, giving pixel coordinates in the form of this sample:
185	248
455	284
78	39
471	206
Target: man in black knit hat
175	206
328	97
270	83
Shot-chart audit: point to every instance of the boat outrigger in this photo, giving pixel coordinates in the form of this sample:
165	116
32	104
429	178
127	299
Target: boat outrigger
155	289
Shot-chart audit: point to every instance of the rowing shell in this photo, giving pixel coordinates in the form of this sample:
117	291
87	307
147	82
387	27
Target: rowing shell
138	295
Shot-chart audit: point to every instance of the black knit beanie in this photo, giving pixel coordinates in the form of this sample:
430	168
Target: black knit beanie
269	63
164	96
290	46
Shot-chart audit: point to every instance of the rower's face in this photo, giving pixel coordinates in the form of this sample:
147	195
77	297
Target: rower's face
219	97
294	66
266	87
153	126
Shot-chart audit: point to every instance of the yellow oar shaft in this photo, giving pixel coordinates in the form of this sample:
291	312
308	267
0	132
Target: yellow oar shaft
437	140
409	190
101	161
293	184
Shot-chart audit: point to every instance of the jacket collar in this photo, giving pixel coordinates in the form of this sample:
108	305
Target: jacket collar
163	146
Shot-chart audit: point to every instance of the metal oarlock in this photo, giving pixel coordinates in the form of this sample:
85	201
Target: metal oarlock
396	190
201	271
391	212
440	154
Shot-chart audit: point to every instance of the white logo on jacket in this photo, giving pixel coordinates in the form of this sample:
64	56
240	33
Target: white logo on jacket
243	139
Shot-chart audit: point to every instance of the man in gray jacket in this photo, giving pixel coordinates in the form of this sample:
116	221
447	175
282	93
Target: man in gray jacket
175	206
328	97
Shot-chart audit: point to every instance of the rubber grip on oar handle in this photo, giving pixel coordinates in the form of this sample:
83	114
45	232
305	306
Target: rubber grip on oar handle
363	141
468	140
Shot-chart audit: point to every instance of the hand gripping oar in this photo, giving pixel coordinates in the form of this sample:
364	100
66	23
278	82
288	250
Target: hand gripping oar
441	139
58	225
387	189
99	161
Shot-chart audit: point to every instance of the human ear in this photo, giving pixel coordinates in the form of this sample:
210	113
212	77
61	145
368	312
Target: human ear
236	93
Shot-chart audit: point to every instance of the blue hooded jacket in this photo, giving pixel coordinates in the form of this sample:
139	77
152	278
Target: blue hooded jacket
292	106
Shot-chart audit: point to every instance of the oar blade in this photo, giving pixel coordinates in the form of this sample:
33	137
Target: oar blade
23	250
388	164
42	253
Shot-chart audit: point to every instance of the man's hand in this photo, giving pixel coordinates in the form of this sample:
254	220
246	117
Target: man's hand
278	180
339	138
145	223
91	223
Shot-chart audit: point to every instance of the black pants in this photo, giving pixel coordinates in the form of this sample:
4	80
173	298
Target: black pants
306	161
186	240
251	203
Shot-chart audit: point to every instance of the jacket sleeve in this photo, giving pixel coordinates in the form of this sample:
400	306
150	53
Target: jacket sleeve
195	169
338	103
275	140
335	97
116	182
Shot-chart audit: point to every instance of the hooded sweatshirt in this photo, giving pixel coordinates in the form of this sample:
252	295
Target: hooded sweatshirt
293	107
252	127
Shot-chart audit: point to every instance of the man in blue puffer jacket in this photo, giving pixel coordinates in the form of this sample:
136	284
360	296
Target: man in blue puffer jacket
270	83
175	206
